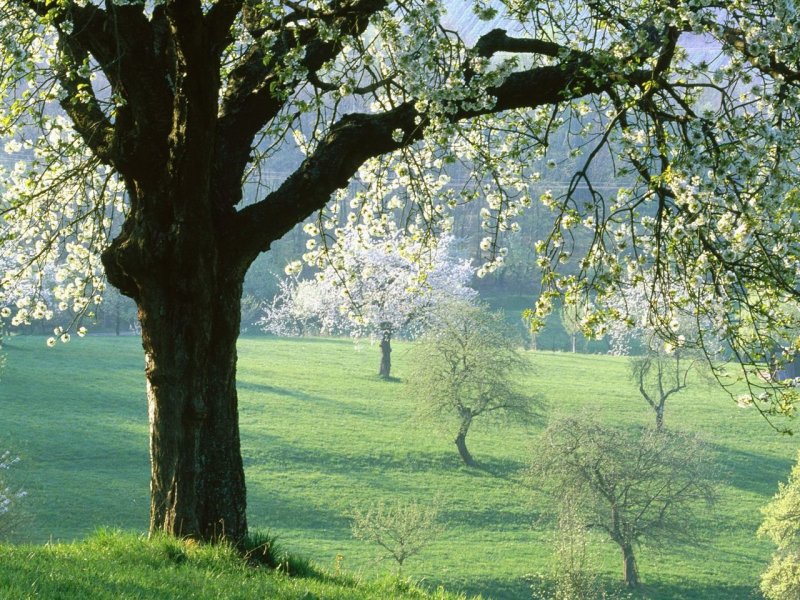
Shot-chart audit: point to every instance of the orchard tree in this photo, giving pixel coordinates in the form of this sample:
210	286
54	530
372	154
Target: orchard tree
632	485
375	288
137	125
572	316
467	366
659	368
401	529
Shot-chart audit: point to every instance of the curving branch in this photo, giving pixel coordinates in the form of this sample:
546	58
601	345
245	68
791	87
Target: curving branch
255	93
358	137
81	104
773	66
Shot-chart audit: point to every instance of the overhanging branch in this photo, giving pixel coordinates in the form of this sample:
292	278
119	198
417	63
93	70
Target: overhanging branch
358	137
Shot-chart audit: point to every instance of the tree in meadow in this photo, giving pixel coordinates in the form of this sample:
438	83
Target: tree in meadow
133	128
658	368
401	529
632	485
571	318
466	367
378	288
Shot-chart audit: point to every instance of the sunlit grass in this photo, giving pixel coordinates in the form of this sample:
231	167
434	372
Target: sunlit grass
321	434
110	565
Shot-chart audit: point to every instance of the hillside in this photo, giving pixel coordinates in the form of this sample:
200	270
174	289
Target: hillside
117	566
321	434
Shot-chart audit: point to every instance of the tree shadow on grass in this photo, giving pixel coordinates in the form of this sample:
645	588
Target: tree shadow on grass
688	591
277	453
502	468
280	510
488	588
750	471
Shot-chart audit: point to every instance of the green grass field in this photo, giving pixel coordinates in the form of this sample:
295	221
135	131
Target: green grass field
112	565
322	434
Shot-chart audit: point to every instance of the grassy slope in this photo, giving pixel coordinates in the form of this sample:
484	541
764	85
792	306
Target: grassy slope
114	566
322	434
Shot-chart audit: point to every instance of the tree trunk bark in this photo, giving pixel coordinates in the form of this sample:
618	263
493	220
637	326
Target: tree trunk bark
630	575
461	442
574	336
175	258
660	417
386	355
197	483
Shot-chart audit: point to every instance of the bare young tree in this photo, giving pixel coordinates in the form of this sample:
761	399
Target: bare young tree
633	485
400	529
658	368
659	375
466	367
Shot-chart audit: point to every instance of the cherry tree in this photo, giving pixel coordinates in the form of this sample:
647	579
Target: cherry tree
378	288
632	485
134	128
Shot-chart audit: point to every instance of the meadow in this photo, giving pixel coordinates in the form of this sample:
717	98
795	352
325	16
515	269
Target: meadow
322	434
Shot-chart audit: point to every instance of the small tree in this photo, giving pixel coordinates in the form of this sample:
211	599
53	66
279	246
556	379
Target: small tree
571	317
572	578
781	579
631	484
467	366
658	376
658	369
375	288
400	529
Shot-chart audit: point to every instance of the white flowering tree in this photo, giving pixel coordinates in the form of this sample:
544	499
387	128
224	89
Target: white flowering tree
132	127
378	288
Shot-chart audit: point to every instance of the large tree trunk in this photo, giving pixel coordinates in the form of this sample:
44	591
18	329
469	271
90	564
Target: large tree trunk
630	575
197	478
176	257
386	354
461	442
188	296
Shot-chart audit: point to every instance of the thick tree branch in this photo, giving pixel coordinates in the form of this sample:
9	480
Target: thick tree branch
772	66
218	22
255	93
132	53
188	26
81	104
498	40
